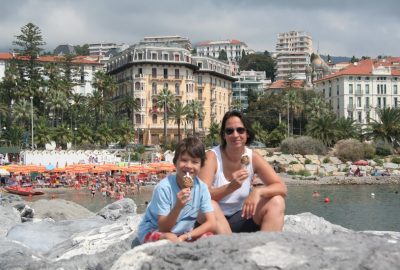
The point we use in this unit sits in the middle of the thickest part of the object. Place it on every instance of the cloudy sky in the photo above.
(338, 27)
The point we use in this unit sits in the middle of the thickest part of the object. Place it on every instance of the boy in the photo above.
(174, 208)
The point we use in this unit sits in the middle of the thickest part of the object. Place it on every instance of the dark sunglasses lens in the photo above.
(240, 130)
(229, 131)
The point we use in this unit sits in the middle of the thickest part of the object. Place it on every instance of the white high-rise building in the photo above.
(293, 50)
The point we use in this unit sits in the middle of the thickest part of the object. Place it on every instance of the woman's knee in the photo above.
(277, 202)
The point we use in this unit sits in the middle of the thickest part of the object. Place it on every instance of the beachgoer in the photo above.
(175, 205)
(228, 171)
(357, 172)
(316, 194)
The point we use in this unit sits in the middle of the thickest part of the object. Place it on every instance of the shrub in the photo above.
(383, 149)
(396, 160)
(303, 145)
(378, 161)
(349, 150)
(307, 161)
(293, 162)
(369, 150)
(304, 173)
(326, 160)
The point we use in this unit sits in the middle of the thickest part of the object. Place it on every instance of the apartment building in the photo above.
(293, 52)
(87, 66)
(249, 80)
(145, 69)
(360, 89)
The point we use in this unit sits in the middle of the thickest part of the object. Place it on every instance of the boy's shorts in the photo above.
(155, 236)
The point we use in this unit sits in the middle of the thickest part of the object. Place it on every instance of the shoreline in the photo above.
(340, 180)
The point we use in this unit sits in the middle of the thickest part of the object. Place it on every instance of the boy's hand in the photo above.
(182, 197)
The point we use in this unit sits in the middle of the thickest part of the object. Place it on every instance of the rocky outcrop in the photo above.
(104, 241)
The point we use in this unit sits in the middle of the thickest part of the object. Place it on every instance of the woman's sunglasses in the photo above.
(239, 130)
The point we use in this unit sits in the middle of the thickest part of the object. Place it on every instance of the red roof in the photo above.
(282, 84)
(50, 58)
(365, 67)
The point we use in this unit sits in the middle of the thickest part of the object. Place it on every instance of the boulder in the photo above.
(118, 209)
(9, 217)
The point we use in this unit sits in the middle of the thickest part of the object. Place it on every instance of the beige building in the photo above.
(144, 70)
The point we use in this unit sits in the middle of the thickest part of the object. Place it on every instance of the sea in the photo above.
(356, 207)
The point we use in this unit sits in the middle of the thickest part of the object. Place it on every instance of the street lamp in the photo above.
(165, 120)
(32, 120)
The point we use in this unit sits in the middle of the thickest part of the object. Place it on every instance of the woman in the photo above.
(229, 181)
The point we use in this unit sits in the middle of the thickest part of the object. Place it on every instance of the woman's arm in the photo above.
(273, 183)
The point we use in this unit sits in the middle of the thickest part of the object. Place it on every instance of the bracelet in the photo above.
(189, 237)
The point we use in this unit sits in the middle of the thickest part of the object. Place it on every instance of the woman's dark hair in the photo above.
(193, 146)
(246, 124)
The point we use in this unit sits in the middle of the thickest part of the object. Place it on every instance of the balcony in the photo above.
(350, 107)
(359, 92)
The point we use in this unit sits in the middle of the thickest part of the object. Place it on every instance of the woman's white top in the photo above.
(232, 202)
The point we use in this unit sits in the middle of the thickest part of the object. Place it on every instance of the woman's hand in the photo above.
(250, 204)
(182, 197)
(238, 178)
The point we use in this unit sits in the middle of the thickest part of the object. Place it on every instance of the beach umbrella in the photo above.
(360, 162)
(50, 167)
(4, 172)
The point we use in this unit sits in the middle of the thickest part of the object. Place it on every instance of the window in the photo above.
(200, 94)
(137, 86)
(330, 90)
(337, 90)
(176, 57)
(200, 79)
(154, 56)
(154, 88)
(367, 89)
(379, 103)
(138, 119)
(384, 102)
(395, 89)
(351, 102)
(359, 102)
(154, 72)
(140, 71)
(367, 102)
(350, 89)
(176, 73)
(154, 118)
(165, 73)
(395, 102)
(359, 117)
(367, 117)
(139, 56)
(177, 89)
(165, 57)
(166, 86)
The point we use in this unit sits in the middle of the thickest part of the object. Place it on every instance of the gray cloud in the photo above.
(341, 27)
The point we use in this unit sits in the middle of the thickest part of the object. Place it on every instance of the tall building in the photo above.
(145, 69)
(293, 50)
(248, 80)
(168, 40)
(233, 48)
(103, 48)
(360, 89)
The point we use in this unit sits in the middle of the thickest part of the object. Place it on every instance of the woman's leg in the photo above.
(270, 214)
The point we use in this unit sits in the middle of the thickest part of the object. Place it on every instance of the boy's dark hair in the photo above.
(246, 124)
(193, 146)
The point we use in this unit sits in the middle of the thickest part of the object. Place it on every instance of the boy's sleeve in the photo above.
(206, 205)
(162, 202)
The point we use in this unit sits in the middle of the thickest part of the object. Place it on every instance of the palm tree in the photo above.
(260, 132)
(195, 112)
(178, 112)
(99, 105)
(213, 134)
(323, 128)
(130, 104)
(43, 134)
(84, 135)
(104, 135)
(104, 84)
(387, 128)
(123, 133)
(22, 113)
(347, 128)
(62, 135)
(164, 100)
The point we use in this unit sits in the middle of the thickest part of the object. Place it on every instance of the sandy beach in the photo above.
(341, 180)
